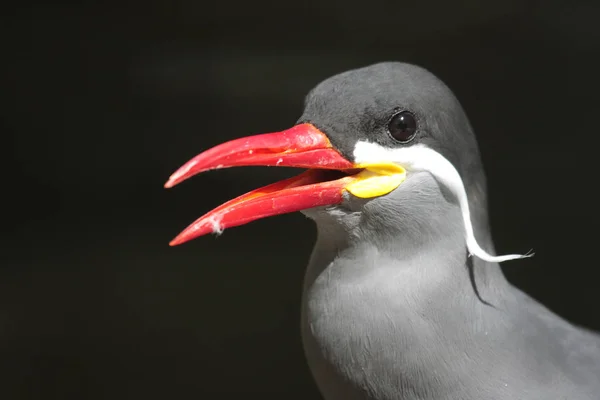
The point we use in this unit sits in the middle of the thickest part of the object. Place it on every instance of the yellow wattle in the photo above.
(376, 180)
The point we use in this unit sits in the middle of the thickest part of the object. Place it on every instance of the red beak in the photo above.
(302, 146)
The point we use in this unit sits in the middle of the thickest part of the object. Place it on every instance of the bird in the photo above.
(403, 295)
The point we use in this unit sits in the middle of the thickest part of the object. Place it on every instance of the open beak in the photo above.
(302, 146)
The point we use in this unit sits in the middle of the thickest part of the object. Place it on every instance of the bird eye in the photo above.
(403, 126)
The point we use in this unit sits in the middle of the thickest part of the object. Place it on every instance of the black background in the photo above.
(102, 102)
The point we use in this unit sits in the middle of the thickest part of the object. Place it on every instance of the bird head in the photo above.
(382, 144)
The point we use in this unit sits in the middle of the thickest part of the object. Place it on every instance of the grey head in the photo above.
(361, 108)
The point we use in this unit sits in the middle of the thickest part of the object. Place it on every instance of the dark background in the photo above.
(102, 102)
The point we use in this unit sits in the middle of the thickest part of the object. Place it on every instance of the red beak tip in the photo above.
(176, 241)
(194, 231)
(173, 180)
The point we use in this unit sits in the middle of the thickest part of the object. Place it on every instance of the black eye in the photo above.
(403, 126)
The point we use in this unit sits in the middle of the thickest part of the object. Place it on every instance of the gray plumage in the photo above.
(393, 307)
